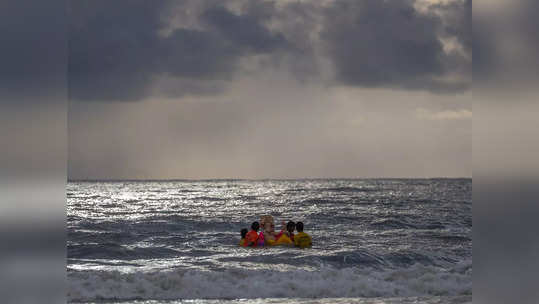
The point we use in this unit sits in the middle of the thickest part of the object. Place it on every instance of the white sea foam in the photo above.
(413, 281)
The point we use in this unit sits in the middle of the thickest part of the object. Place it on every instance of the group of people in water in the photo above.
(268, 237)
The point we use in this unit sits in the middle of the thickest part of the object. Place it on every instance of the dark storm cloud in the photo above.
(116, 51)
(244, 31)
(457, 17)
(463, 24)
(111, 47)
(387, 44)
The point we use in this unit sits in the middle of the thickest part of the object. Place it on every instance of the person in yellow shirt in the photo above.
(286, 237)
(302, 239)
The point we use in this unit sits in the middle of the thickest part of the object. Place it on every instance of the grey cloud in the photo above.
(456, 20)
(463, 24)
(116, 51)
(387, 44)
(111, 48)
(457, 17)
(244, 31)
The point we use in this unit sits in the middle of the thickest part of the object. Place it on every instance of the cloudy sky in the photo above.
(269, 89)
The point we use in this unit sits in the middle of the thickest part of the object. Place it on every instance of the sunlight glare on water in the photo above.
(170, 240)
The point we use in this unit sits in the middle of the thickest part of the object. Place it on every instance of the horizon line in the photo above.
(249, 179)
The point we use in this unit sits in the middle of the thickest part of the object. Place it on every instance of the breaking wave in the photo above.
(243, 283)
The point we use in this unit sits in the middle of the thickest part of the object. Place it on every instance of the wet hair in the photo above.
(244, 232)
(255, 226)
(299, 226)
(290, 226)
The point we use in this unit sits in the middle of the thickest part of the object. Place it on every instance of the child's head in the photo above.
(299, 226)
(255, 226)
(244, 232)
(290, 226)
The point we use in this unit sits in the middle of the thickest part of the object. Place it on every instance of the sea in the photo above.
(176, 241)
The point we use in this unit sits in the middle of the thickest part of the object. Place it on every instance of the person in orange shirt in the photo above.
(251, 238)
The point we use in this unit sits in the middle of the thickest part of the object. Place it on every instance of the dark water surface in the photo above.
(388, 239)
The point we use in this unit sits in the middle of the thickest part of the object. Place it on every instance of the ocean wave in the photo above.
(351, 189)
(110, 205)
(122, 237)
(210, 198)
(115, 251)
(417, 280)
(400, 224)
(320, 201)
